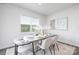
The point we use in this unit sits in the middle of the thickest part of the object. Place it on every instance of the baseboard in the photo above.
(7, 47)
(68, 44)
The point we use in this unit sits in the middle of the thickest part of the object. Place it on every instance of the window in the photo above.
(29, 24)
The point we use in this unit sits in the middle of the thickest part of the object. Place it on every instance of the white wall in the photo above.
(10, 23)
(70, 36)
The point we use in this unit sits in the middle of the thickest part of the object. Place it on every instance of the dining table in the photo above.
(30, 40)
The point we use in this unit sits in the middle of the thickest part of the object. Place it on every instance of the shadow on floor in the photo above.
(76, 51)
(3, 52)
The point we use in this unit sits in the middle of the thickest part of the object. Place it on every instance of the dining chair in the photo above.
(45, 45)
(54, 43)
(48, 44)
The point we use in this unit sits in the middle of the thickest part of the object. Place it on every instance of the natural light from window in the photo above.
(29, 24)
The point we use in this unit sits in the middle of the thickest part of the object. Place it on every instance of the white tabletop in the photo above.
(27, 40)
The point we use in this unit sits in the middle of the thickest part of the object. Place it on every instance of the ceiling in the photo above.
(46, 8)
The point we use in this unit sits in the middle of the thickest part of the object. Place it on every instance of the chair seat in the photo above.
(41, 47)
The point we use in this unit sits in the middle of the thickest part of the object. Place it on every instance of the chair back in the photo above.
(49, 41)
(54, 39)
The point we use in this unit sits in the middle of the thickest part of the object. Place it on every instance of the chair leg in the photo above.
(44, 51)
(54, 49)
(38, 49)
(50, 50)
(57, 46)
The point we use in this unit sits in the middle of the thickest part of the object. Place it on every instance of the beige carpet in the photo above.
(65, 49)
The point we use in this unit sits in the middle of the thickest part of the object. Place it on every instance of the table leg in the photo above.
(33, 48)
(16, 49)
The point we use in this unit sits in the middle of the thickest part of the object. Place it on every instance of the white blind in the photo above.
(29, 20)
(35, 21)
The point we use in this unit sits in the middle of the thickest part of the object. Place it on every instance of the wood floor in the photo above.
(64, 49)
